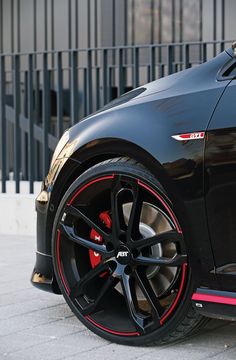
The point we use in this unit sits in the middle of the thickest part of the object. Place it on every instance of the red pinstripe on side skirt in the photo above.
(214, 299)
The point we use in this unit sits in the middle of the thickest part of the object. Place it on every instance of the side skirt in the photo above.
(215, 303)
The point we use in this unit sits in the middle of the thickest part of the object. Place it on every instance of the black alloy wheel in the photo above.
(120, 257)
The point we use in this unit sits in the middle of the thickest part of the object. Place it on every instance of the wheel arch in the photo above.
(100, 150)
(95, 152)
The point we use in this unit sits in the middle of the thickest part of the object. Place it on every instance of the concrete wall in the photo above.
(17, 214)
(17, 211)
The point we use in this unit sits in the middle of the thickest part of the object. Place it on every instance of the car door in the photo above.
(220, 184)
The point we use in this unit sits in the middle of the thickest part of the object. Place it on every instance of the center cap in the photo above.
(123, 255)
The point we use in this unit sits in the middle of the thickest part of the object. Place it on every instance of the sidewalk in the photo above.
(37, 325)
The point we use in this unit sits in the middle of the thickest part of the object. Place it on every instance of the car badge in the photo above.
(189, 136)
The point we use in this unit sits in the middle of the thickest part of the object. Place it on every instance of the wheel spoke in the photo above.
(118, 223)
(80, 287)
(171, 236)
(148, 292)
(71, 210)
(68, 231)
(177, 260)
(92, 306)
(139, 320)
(135, 214)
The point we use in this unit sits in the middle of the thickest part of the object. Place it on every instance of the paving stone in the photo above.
(38, 325)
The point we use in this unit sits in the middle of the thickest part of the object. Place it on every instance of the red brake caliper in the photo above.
(95, 258)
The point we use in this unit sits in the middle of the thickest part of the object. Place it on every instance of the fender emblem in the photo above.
(189, 136)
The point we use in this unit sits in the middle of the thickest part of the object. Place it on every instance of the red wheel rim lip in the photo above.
(171, 309)
(88, 184)
(163, 203)
(135, 333)
(59, 263)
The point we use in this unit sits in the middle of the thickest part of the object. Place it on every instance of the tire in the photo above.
(119, 256)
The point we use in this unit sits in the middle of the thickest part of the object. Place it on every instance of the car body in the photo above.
(182, 128)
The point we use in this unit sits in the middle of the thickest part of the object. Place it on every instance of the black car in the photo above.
(136, 222)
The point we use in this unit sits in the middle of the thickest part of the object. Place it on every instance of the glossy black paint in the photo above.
(196, 174)
(220, 163)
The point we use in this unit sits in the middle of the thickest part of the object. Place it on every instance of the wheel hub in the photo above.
(123, 255)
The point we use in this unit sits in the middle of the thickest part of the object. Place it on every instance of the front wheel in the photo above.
(120, 258)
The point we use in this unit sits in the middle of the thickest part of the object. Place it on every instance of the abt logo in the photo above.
(122, 254)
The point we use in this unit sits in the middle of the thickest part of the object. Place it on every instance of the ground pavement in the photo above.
(38, 325)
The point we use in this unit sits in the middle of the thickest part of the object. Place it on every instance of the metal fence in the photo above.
(43, 93)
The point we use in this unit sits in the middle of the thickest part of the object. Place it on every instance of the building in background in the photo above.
(37, 25)
(63, 59)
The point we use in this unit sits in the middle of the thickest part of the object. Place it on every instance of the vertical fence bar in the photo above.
(24, 134)
(121, 84)
(186, 56)
(170, 59)
(25, 91)
(30, 114)
(200, 26)
(110, 73)
(59, 96)
(204, 52)
(152, 63)
(45, 25)
(74, 88)
(16, 96)
(89, 82)
(162, 70)
(104, 75)
(70, 24)
(46, 114)
(214, 25)
(1, 26)
(148, 73)
(3, 137)
(37, 95)
(222, 23)
(97, 88)
(109, 84)
(136, 67)
(85, 91)
(38, 158)
(76, 24)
